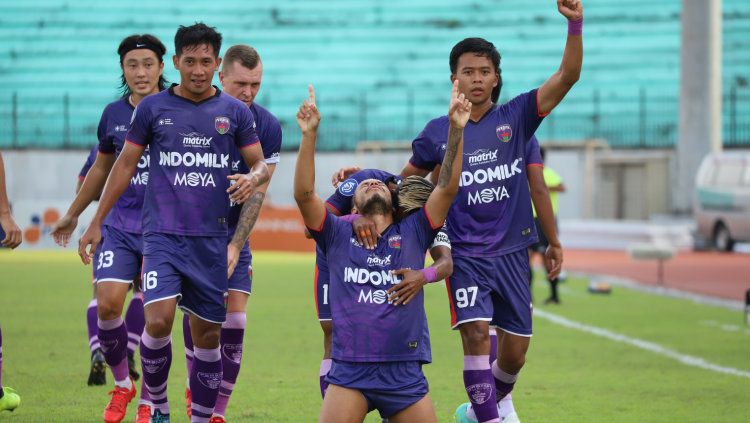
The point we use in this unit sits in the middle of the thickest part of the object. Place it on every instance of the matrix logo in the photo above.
(378, 262)
(196, 140)
(482, 156)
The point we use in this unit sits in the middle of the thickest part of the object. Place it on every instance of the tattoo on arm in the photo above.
(454, 136)
(248, 217)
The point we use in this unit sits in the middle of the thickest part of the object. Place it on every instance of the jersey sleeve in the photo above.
(270, 141)
(441, 240)
(533, 154)
(423, 154)
(422, 226)
(106, 144)
(525, 110)
(140, 131)
(246, 134)
(89, 162)
(326, 234)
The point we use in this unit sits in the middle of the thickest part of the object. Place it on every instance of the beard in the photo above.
(375, 205)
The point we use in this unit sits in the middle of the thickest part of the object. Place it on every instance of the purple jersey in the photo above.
(268, 129)
(366, 327)
(491, 215)
(89, 162)
(533, 152)
(114, 124)
(190, 149)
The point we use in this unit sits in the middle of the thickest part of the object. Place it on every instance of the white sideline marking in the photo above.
(639, 343)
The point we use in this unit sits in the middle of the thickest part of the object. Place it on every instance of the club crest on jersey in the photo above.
(221, 124)
(394, 241)
(348, 187)
(504, 132)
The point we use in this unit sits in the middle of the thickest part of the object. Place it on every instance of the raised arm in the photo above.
(118, 180)
(311, 206)
(450, 171)
(90, 190)
(552, 92)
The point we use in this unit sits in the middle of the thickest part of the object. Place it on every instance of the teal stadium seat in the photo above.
(380, 68)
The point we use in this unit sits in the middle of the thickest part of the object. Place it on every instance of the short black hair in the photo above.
(139, 41)
(195, 35)
(480, 47)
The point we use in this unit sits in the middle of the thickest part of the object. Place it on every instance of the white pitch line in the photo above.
(639, 343)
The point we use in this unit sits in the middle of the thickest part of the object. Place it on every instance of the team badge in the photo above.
(504, 132)
(221, 124)
(394, 241)
(348, 187)
(479, 393)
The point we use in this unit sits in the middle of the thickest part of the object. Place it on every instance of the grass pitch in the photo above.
(570, 375)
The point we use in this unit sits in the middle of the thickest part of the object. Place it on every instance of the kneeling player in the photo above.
(378, 346)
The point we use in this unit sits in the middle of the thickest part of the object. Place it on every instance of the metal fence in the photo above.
(638, 119)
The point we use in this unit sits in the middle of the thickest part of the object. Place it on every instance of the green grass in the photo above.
(570, 375)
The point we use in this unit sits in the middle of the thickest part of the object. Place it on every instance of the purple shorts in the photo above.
(192, 269)
(388, 387)
(242, 278)
(119, 257)
(492, 289)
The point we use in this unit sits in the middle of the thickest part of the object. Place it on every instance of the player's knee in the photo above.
(208, 339)
(514, 362)
(107, 309)
(475, 334)
(159, 327)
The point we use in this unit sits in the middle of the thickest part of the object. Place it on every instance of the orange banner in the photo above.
(280, 229)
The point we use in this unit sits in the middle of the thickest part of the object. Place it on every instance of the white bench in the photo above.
(656, 251)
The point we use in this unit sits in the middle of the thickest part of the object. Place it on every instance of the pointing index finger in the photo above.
(311, 91)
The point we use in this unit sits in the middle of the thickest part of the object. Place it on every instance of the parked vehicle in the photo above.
(721, 205)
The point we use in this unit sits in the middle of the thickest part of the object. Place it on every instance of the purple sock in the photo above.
(113, 338)
(325, 366)
(204, 383)
(145, 399)
(480, 387)
(134, 322)
(493, 345)
(504, 382)
(232, 335)
(91, 322)
(188, 342)
(156, 359)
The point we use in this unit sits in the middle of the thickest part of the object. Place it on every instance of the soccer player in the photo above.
(133, 317)
(98, 370)
(10, 237)
(490, 224)
(191, 130)
(410, 195)
(241, 76)
(120, 255)
(378, 347)
(545, 184)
